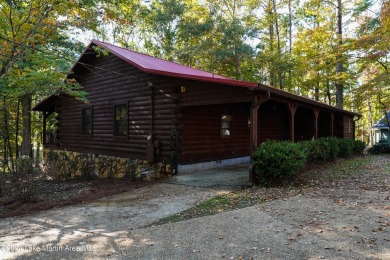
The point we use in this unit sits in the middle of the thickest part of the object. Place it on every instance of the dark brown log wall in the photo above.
(339, 126)
(304, 124)
(201, 138)
(324, 124)
(119, 83)
(348, 127)
(273, 122)
(203, 93)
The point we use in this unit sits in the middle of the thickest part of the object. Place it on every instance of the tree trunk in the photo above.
(17, 130)
(317, 88)
(37, 154)
(271, 42)
(289, 41)
(370, 135)
(26, 148)
(339, 64)
(289, 26)
(328, 92)
(8, 155)
(238, 66)
(280, 73)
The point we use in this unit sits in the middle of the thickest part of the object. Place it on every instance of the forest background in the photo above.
(333, 51)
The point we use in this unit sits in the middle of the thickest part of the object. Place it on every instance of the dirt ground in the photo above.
(339, 213)
(48, 194)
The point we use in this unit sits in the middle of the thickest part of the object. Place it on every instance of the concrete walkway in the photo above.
(234, 176)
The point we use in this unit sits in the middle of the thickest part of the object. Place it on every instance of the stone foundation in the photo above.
(68, 165)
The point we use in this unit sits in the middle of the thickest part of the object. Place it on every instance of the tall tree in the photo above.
(339, 63)
(373, 59)
(32, 63)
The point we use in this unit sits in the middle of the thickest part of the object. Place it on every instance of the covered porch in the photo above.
(276, 117)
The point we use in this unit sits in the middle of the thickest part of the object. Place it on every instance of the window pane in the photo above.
(86, 121)
(226, 120)
(120, 123)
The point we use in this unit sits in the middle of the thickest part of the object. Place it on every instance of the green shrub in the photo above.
(359, 147)
(333, 144)
(318, 150)
(346, 147)
(274, 161)
(331, 148)
(380, 148)
(23, 178)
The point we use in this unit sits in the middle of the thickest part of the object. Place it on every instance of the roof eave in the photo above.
(47, 102)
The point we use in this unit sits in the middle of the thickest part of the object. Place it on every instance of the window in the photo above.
(226, 122)
(120, 120)
(86, 121)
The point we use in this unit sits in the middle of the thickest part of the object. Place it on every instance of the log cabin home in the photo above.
(146, 108)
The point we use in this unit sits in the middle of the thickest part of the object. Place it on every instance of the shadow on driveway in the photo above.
(229, 176)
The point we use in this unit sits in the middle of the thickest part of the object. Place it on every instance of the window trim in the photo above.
(83, 133)
(115, 130)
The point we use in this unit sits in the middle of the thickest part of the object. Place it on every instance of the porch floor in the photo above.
(228, 176)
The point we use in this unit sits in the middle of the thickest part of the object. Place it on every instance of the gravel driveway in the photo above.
(344, 222)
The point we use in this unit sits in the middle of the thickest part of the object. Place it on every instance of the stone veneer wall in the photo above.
(67, 165)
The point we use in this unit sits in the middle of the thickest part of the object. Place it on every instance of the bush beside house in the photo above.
(278, 160)
(275, 160)
(382, 147)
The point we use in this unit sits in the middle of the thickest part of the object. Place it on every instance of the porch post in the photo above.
(254, 126)
(332, 125)
(316, 114)
(256, 103)
(292, 108)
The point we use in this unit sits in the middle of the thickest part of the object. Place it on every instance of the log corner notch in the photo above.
(256, 103)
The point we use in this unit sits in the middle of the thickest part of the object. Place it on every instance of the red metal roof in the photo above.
(152, 64)
(158, 66)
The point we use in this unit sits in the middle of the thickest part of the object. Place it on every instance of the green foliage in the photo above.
(23, 178)
(380, 148)
(24, 165)
(331, 148)
(35, 57)
(346, 147)
(275, 161)
(334, 148)
(319, 150)
(359, 147)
